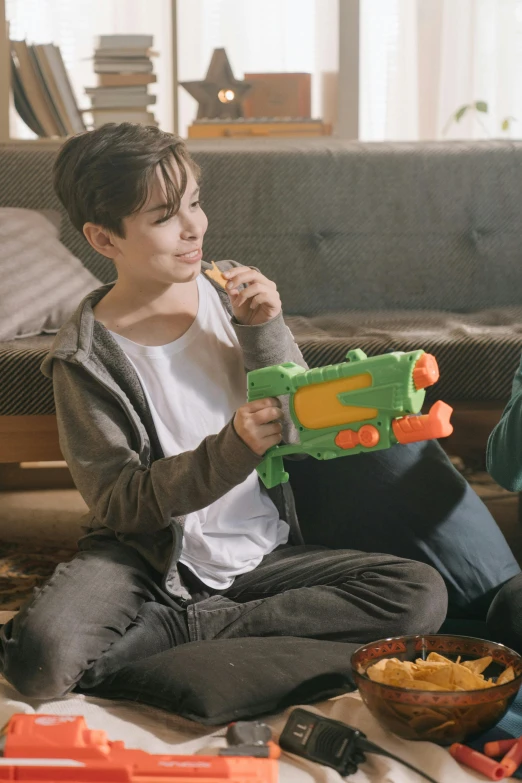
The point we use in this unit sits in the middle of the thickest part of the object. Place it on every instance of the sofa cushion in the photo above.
(24, 391)
(340, 224)
(42, 281)
(478, 353)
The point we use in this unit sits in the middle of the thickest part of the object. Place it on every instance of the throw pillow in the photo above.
(42, 281)
(222, 680)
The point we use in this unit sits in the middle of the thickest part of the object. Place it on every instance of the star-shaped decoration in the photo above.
(219, 95)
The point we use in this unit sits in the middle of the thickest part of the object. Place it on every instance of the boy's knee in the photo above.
(504, 620)
(37, 661)
(428, 598)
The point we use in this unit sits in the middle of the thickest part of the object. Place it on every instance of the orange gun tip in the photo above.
(434, 424)
(426, 371)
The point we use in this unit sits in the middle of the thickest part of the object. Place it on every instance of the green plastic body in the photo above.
(392, 393)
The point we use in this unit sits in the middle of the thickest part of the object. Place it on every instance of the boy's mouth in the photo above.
(192, 257)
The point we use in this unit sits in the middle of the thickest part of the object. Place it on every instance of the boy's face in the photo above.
(158, 250)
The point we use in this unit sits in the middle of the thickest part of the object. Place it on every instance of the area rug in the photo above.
(24, 566)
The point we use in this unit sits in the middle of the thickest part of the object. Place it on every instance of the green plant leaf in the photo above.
(461, 112)
(481, 106)
(506, 122)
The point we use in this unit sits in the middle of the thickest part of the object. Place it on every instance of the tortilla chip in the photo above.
(423, 685)
(506, 676)
(437, 673)
(431, 664)
(433, 656)
(425, 722)
(479, 665)
(466, 679)
(216, 275)
(442, 675)
(442, 727)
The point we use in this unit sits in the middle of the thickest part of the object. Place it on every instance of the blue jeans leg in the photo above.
(407, 501)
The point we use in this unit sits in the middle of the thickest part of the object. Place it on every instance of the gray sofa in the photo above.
(377, 246)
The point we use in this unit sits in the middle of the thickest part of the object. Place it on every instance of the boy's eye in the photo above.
(166, 219)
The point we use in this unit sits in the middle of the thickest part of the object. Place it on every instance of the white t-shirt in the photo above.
(193, 386)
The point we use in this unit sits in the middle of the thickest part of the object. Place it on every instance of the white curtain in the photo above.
(421, 60)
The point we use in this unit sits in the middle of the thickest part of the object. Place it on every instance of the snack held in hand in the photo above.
(216, 275)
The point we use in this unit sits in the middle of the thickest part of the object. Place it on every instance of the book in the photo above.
(116, 99)
(278, 95)
(46, 92)
(126, 53)
(125, 79)
(122, 66)
(55, 99)
(33, 88)
(61, 77)
(126, 89)
(101, 116)
(124, 41)
(21, 102)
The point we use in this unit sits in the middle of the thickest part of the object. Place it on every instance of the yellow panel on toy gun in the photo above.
(319, 406)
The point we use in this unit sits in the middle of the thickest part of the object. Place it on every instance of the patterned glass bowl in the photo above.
(442, 717)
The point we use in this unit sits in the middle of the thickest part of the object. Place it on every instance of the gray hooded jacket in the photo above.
(107, 435)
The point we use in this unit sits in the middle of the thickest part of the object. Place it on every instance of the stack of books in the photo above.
(124, 67)
(43, 95)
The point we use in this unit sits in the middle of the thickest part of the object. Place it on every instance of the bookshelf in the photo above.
(5, 73)
(347, 125)
(5, 82)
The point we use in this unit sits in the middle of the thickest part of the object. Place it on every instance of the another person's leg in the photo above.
(94, 615)
(319, 593)
(504, 620)
(407, 501)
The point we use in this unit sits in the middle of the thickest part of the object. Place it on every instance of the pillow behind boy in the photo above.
(41, 281)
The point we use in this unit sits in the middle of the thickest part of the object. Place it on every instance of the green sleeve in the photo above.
(504, 449)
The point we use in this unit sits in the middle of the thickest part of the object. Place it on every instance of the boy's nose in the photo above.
(191, 229)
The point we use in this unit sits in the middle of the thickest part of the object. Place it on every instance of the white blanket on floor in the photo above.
(157, 731)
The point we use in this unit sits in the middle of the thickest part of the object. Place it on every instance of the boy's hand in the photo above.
(258, 302)
(259, 424)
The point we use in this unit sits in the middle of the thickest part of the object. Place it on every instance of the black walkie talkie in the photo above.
(331, 743)
(323, 740)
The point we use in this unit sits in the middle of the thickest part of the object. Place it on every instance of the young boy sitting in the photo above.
(183, 543)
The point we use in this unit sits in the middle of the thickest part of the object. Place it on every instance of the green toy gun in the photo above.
(363, 404)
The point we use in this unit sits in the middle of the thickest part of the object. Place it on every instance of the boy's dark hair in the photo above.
(105, 175)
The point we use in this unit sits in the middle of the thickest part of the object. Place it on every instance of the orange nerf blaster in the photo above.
(61, 749)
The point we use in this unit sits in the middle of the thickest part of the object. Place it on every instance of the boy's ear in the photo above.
(100, 239)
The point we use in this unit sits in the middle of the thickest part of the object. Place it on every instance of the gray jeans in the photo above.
(106, 609)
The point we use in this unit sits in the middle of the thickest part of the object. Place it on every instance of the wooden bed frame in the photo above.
(35, 439)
